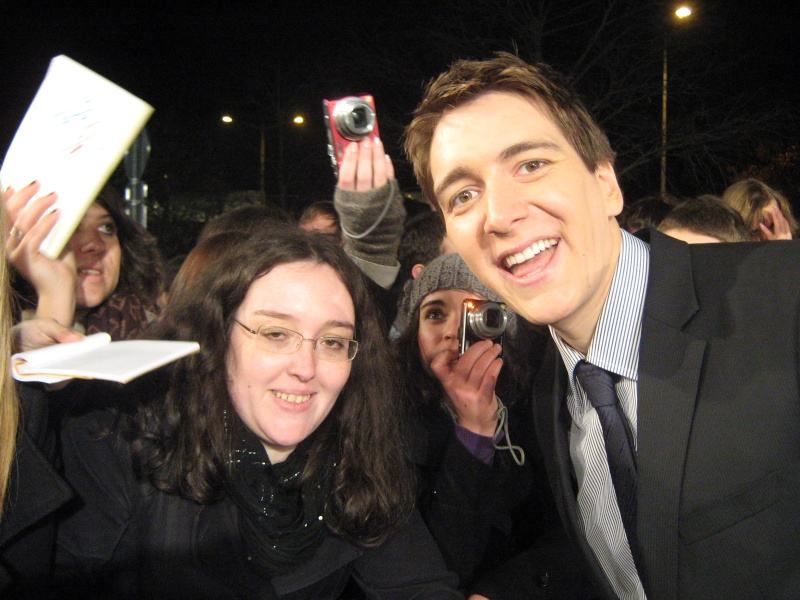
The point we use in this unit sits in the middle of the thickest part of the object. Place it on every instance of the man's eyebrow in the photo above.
(455, 175)
(512, 151)
(462, 172)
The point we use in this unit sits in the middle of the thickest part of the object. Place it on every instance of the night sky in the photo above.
(195, 64)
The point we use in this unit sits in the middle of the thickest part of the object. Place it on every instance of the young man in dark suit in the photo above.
(668, 402)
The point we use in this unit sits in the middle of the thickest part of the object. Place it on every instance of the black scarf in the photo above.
(281, 521)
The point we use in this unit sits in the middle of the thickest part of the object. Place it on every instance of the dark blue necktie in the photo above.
(599, 387)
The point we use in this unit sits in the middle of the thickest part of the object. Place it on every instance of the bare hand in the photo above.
(469, 381)
(28, 224)
(774, 225)
(365, 166)
(41, 332)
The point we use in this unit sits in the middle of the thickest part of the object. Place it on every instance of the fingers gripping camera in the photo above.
(481, 320)
(348, 120)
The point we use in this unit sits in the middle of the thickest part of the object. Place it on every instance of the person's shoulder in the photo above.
(750, 260)
(759, 259)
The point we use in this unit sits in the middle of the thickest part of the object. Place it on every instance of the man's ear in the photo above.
(416, 270)
(612, 193)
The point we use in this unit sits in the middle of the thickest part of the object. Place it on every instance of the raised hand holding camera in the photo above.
(469, 381)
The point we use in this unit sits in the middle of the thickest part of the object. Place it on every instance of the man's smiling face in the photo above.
(525, 213)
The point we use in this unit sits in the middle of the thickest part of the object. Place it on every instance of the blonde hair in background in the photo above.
(750, 197)
(9, 406)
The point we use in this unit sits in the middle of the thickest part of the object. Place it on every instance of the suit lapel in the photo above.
(670, 363)
(552, 422)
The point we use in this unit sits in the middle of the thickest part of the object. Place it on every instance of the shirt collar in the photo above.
(615, 344)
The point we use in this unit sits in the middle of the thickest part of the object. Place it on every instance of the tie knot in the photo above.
(597, 383)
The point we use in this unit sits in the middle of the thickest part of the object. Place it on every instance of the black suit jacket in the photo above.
(718, 424)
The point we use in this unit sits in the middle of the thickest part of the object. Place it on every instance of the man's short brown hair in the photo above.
(707, 215)
(465, 80)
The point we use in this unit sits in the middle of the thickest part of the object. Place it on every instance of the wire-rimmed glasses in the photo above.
(280, 340)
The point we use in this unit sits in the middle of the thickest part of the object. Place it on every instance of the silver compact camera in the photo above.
(481, 320)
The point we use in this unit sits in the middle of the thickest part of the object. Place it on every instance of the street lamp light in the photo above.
(682, 13)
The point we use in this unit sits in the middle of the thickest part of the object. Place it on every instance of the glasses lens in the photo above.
(278, 339)
(286, 341)
(336, 348)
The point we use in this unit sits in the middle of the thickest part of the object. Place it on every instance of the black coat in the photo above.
(130, 540)
(496, 525)
(36, 492)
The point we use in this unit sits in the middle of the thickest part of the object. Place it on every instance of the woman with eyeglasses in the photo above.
(268, 465)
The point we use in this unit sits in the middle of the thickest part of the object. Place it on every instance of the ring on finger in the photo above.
(15, 233)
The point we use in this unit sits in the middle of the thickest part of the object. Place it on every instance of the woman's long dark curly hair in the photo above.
(141, 267)
(183, 444)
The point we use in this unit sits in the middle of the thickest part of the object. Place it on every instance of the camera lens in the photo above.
(493, 319)
(488, 321)
(359, 117)
(354, 118)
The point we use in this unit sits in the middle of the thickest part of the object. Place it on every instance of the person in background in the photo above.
(667, 402)
(704, 220)
(766, 212)
(321, 217)
(424, 238)
(244, 220)
(482, 488)
(107, 279)
(646, 212)
(271, 463)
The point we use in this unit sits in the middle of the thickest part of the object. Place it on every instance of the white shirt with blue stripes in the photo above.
(615, 348)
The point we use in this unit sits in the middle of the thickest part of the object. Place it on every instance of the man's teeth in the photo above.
(293, 398)
(90, 272)
(530, 252)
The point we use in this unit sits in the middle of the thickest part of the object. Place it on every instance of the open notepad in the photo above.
(97, 357)
(73, 136)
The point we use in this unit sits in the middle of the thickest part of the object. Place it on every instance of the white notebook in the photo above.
(73, 136)
(97, 357)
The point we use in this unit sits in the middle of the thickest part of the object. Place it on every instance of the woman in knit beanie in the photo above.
(482, 489)
(434, 313)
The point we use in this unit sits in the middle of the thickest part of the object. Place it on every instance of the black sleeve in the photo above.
(92, 544)
(407, 565)
(36, 492)
(459, 497)
(551, 568)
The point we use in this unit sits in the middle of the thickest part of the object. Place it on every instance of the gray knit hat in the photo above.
(447, 272)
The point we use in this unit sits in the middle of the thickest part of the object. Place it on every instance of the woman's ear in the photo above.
(416, 270)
